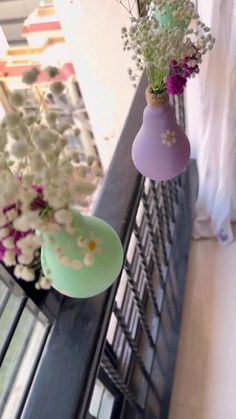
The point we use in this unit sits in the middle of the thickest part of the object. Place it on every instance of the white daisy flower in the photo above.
(168, 138)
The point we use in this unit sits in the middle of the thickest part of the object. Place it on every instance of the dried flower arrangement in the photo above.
(41, 179)
(168, 40)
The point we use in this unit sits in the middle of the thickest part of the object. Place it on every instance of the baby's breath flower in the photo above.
(4, 232)
(29, 243)
(164, 35)
(17, 99)
(40, 177)
(57, 88)
(26, 258)
(11, 214)
(9, 258)
(51, 117)
(30, 76)
(90, 159)
(8, 242)
(19, 149)
(43, 283)
(12, 119)
(22, 272)
(29, 219)
(51, 71)
(63, 216)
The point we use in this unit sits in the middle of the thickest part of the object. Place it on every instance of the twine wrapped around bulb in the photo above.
(157, 101)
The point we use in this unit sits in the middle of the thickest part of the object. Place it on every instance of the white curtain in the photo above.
(213, 124)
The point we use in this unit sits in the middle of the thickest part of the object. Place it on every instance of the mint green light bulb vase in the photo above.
(86, 281)
(167, 20)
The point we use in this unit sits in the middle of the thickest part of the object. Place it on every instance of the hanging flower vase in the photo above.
(160, 150)
(86, 261)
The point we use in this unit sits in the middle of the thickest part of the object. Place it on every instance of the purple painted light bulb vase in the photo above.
(161, 149)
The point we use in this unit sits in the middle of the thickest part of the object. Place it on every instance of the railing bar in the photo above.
(32, 374)
(11, 330)
(146, 272)
(145, 235)
(18, 361)
(165, 211)
(135, 351)
(119, 382)
(176, 191)
(160, 230)
(153, 240)
(139, 304)
(4, 301)
(127, 308)
(171, 200)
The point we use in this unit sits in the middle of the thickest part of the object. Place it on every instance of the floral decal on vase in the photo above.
(90, 247)
(168, 138)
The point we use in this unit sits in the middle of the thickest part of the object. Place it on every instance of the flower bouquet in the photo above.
(43, 181)
(168, 40)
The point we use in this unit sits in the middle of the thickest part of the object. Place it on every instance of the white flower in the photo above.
(28, 220)
(168, 138)
(44, 283)
(25, 258)
(11, 214)
(17, 98)
(9, 258)
(64, 216)
(37, 163)
(57, 87)
(9, 191)
(8, 242)
(4, 232)
(44, 145)
(48, 227)
(19, 149)
(3, 219)
(22, 272)
(30, 76)
(29, 243)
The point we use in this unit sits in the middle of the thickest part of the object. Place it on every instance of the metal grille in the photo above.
(23, 332)
(136, 319)
(147, 288)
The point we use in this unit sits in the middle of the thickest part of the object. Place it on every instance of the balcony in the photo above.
(114, 355)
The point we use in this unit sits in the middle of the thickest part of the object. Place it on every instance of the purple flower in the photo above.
(37, 188)
(175, 84)
(2, 251)
(181, 71)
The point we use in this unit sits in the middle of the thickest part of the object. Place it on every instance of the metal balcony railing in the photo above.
(113, 356)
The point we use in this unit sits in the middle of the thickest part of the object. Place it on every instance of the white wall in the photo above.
(92, 29)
